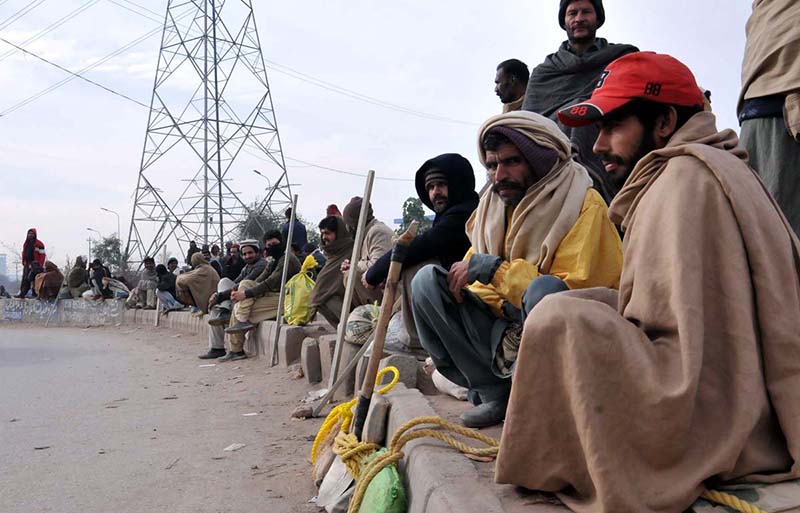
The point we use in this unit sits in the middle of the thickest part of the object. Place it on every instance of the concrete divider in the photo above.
(438, 478)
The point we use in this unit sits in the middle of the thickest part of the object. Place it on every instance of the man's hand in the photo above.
(238, 295)
(457, 280)
(212, 300)
(345, 265)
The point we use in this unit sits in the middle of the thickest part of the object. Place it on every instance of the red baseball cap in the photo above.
(647, 75)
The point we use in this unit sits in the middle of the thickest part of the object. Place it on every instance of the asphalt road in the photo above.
(125, 420)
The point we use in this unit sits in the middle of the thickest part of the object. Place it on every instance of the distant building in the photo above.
(3, 264)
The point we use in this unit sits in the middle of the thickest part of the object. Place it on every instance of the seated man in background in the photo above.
(144, 294)
(78, 278)
(48, 283)
(446, 185)
(540, 229)
(688, 377)
(98, 281)
(327, 298)
(172, 265)
(221, 302)
(194, 288)
(165, 289)
(257, 300)
(233, 264)
(254, 264)
(377, 241)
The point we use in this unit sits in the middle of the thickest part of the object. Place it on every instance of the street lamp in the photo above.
(90, 240)
(119, 233)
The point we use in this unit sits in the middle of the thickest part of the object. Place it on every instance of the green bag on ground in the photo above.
(385, 493)
(298, 289)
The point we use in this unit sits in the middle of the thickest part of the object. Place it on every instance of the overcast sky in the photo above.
(78, 148)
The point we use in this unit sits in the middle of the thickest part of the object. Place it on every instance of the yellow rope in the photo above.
(731, 501)
(353, 452)
(344, 412)
(401, 437)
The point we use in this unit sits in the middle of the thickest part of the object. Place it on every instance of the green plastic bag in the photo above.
(298, 289)
(385, 493)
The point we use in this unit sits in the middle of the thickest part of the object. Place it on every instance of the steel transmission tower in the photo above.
(211, 115)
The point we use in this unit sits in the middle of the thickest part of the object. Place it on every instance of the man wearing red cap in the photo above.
(688, 376)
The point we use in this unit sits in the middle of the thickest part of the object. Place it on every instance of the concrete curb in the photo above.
(438, 478)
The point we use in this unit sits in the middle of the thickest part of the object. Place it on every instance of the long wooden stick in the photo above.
(342, 378)
(389, 294)
(351, 278)
(284, 275)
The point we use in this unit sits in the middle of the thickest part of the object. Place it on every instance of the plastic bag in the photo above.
(298, 289)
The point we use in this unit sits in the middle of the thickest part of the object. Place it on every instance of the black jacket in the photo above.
(166, 283)
(446, 240)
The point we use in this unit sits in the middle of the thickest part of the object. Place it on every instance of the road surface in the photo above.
(113, 420)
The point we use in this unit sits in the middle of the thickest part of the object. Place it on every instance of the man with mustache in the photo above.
(539, 229)
(446, 185)
(688, 376)
(570, 75)
(220, 302)
(257, 300)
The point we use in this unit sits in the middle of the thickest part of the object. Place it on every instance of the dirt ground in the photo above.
(126, 420)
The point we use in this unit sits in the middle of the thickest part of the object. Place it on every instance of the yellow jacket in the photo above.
(590, 255)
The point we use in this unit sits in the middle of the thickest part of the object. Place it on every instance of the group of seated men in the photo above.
(630, 373)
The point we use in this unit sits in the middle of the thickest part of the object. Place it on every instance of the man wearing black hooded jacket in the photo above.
(446, 185)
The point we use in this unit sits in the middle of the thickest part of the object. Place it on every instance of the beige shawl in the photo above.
(549, 209)
(772, 53)
(201, 282)
(691, 375)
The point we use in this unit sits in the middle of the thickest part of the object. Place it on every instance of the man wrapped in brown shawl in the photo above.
(196, 286)
(638, 401)
(48, 283)
(327, 296)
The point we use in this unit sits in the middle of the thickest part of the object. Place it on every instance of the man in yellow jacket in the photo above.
(540, 229)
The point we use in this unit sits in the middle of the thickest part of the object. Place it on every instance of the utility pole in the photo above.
(197, 136)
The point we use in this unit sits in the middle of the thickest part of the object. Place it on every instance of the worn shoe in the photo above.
(212, 353)
(485, 415)
(219, 317)
(240, 327)
(232, 357)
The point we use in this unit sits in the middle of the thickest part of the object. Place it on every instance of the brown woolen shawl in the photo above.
(201, 282)
(692, 373)
(329, 281)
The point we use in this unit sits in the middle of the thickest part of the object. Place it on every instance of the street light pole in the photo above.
(90, 240)
(119, 232)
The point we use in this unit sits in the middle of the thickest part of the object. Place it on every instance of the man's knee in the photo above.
(428, 282)
(539, 288)
(247, 284)
(225, 284)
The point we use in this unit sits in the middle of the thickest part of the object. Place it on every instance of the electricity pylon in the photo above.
(211, 113)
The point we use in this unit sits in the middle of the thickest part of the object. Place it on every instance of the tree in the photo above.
(414, 211)
(109, 251)
(256, 225)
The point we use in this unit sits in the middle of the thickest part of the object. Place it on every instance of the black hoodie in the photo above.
(447, 239)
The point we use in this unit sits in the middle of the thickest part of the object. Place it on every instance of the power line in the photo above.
(351, 173)
(359, 96)
(76, 75)
(33, 4)
(97, 63)
(52, 26)
(318, 82)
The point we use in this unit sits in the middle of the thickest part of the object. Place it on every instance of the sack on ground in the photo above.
(298, 289)
(361, 323)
